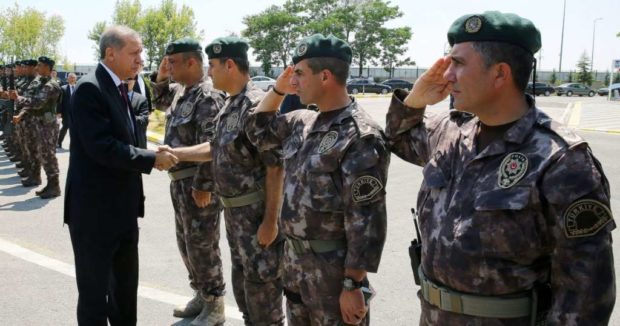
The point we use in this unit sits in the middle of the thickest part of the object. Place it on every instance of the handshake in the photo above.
(165, 158)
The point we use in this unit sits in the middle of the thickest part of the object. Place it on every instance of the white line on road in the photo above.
(69, 270)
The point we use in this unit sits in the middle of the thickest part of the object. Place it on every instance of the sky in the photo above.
(428, 19)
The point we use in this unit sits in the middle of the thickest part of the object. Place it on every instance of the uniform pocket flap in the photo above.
(514, 198)
(434, 177)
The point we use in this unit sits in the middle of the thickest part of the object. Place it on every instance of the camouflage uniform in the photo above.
(41, 107)
(189, 122)
(238, 170)
(26, 132)
(334, 189)
(529, 209)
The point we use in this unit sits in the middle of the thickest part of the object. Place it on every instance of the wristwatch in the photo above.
(350, 284)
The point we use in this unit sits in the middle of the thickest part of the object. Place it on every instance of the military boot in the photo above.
(23, 173)
(31, 181)
(19, 165)
(52, 189)
(39, 192)
(191, 309)
(212, 313)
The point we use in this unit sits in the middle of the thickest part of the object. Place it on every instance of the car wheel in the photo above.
(591, 94)
(569, 93)
(354, 91)
(547, 93)
(384, 91)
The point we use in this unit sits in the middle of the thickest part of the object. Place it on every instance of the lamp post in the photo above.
(562, 40)
(593, 35)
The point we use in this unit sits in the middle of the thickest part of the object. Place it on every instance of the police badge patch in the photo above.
(512, 169)
(232, 121)
(328, 141)
(473, 24)
(186, 110)
(585, 218)
(365, 188)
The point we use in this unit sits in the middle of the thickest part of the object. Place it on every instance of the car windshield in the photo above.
(565, 85)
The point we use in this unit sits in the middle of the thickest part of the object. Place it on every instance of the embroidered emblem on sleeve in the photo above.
(365, 188)
(585, 218)
(232, 121)
(512, 169)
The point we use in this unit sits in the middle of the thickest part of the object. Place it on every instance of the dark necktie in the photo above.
(123, 88)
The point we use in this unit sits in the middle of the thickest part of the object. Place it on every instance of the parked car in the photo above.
(365, 86)
(263, 82)
(398, 83)
(604, 91)
(571, 89)
(541, 88)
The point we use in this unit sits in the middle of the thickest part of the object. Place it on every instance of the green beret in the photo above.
(318, 45)
(30, 62)
(47, 61)
(228, 47)
(185, 44)
(495, 26)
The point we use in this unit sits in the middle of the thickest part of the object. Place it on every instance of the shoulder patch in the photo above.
(585, 218)
(365, 188)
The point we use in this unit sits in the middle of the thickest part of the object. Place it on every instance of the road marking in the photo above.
(575, 116)
(69, 270)
(566, 113)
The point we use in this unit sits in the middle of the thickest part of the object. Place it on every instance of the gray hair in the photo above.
(72, 75)
(114, 37)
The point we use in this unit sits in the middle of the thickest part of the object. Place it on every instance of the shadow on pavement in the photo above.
(183, 322)
(16, 190)
(29, 204)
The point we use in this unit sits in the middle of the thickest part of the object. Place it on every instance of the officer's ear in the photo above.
(503, 75)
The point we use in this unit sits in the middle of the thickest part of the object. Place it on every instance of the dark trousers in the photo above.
(106, 268)
(63, 131)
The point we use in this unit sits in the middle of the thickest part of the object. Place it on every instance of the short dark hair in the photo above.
(242, 64)
(519, 60)
(192, 54)
(339, 68)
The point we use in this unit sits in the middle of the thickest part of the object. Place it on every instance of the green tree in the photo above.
(393, 46)
(157, 26)
(553, 78)
(584, 74)
(570, 77)
(272, 34)
(29, 33)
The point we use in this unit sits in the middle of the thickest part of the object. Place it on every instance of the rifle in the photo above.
(415, 250)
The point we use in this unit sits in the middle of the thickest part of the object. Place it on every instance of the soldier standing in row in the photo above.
(25, 130)
(336, 162)
(41, 108)
(249, 185)
(514, 208)
(192, 104)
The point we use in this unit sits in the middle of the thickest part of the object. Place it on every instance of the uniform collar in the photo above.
(336, 120)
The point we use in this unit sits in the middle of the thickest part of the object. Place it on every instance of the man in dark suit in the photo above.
(141, 109)
(144, 87)
(104, 194)
(63, 108)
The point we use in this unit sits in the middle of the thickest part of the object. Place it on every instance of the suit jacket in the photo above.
(104, 184)
(140, 107)
(65, 104)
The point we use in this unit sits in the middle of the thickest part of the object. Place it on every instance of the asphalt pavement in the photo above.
(36, 260)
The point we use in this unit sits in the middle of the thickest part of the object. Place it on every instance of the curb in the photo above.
(154, 137)
(607, 131)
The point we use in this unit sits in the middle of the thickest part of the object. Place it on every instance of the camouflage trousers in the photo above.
(19, 139)
(198, 238)
(28, 137)
(256, 271)
(313, 283)
(42, 145)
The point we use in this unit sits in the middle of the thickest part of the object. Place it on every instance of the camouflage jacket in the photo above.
(27, 87)
(532, 207)
(335, 175)
(189, 121)
(41, 97)
(238, 166)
